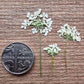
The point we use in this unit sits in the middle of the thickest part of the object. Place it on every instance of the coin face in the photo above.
(17, 58)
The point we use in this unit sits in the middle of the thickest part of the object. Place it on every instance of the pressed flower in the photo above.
(52, 51)
(69, 33)
(24, 25)
(34, 31)
(40, 23)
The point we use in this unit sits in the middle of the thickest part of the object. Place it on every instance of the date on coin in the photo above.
(17, 58)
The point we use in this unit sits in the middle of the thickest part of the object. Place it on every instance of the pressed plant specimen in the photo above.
(40, 23)
(52, 51)
(69, 33)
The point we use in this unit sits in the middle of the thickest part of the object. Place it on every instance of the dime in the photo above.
(17, 58)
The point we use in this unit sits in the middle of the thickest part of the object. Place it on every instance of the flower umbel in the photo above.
(69, 33)
(52, 51)
(40, 23)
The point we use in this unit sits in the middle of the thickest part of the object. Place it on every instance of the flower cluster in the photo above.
(39, 22)
(52, 49)
(69, 33)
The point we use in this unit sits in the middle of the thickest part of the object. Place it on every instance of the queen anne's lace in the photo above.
(69, 33)
(39, 22)
(52, 49)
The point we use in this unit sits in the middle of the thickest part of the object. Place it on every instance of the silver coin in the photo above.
(17, 58)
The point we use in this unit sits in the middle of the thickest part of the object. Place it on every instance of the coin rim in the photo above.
(22, 71)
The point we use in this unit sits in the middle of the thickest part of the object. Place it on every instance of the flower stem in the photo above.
(65, 55)
(40, 52)
(52, 65)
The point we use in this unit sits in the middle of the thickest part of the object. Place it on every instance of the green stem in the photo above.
(40, 52)
(65, 55)
(52, 65)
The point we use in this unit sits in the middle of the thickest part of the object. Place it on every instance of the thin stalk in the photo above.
(65, 55)
(40, 52)
(52, 66)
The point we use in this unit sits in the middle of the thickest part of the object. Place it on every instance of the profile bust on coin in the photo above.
(17, 58)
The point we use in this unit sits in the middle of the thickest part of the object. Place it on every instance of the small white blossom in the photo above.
(37, 12)
(34, 31)
(29, 23)
(24, 25)
(31, 17)
(45, 15)
(41, 15)
(69, 33)
(48, 20)
(28, 14)
(52, 49)
(46, 48)
(78, 38)
(66, 26)
(49, 29)
(45, 31)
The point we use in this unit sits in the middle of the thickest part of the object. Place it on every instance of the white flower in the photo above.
(45, 15)
(40, 10)
(69, 33)
(48, 20)
(55, 50)
(58, 49)
(59, 31)
(29, 23)
(37, 12)
(40, 15)
(28, 14)
(66, 26)
(39, 21)
(49, 29)
(31, 17)
(24, 25)
(74, 28)
(45, 31)
(78, 38)
(46, 48)
(34, 31)
(52, 49)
